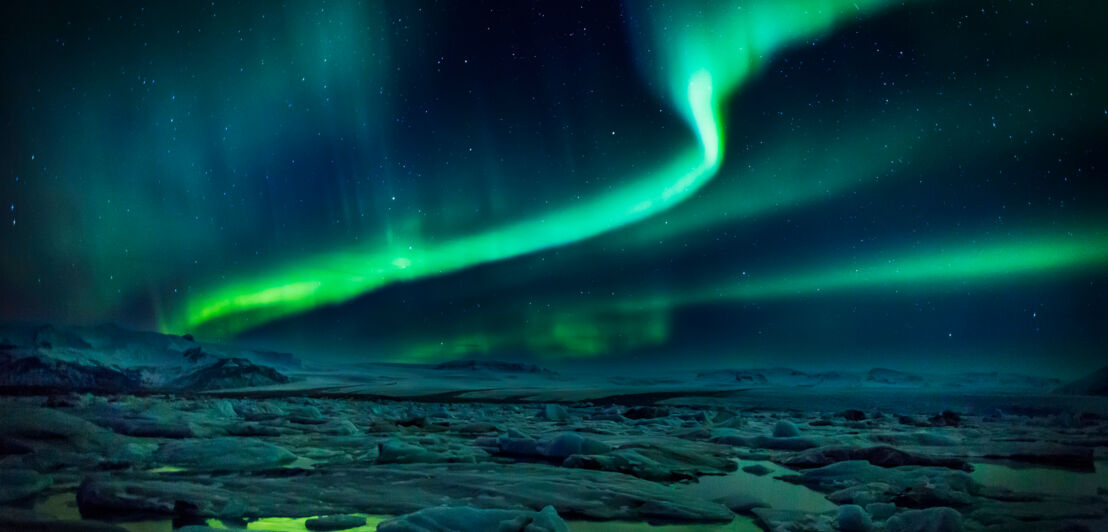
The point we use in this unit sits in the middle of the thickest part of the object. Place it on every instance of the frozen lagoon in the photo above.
(665, 461)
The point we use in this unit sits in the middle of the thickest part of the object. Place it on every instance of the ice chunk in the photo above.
(469, 519)
(852, 518)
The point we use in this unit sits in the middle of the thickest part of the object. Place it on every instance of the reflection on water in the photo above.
(63, 506)
(778, 494)
(290, 524)
(1047, 480)
(167, 469)
(901, 401)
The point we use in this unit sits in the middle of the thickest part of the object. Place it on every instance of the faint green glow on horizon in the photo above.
(580, 332)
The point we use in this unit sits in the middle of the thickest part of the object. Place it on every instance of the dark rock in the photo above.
(881, 510)
(49, 337)
(469, 519)
(928, 496)
(911, 421)
(334, 522)
(420, 422)
(853, 415)
(768, 442)
(741, 503)
(859, 482)
(627, 462)
(146, 427)
(1068, 456)
(475, 428)
(300, 420)
(63, 401)
(194, 354)
(253, 429)
(554, 412)
(1095, 383)
(947, 419)
(9, 446)
(785, 429)
(929, 520)
(492, 365)
(36, 371)
(646, 412)
(882, 456)
(569, 443)
(393, 451)
(792, 520)
(893, 377)
(229, 373)
(852, 518)
(17, 484)
(558, 447)
(658, 460)
(401, 489)
(757, 469)
(223, 454)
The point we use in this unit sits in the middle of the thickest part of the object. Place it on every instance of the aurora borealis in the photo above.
(816, 182)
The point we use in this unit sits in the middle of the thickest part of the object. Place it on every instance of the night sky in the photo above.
(811, 183)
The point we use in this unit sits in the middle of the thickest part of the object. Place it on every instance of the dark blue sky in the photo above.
(917, 186)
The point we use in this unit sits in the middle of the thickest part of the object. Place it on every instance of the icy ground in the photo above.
(105, 429)
(727, 460)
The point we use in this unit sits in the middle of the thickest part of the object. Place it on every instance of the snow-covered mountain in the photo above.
(110, 358)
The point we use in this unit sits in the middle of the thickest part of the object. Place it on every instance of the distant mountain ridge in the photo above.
(110, 358)
(879, 378)
(1095, 383)
(491, 365)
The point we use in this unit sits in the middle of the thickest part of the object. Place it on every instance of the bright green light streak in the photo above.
(942, 268)
(998, 262)
(337, 277)
(711, 58)
(297, 524)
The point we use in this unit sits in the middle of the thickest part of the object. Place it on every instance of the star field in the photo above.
(813, 182)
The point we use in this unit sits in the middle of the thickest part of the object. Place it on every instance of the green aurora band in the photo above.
(707, 55)
(584, 330)
(910, 270)
(334, 278)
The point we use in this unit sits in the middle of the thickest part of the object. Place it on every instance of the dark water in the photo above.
(903, 401)
(1043, 480)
